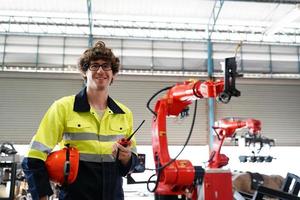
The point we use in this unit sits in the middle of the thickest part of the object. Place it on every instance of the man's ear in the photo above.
(85, 66)
(83, 74)
(112, 80)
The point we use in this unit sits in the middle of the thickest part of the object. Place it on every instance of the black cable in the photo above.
(159, 169)
(149, 101)
(211, 156)
(216, 133)
(156, 182)
(187, 140)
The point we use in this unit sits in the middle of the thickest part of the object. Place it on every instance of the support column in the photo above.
(298, 53)
(4, 51)
(37, 53)
(210, 66)
(89, 7)
(64, 53)
(211, 101)
(270, 60)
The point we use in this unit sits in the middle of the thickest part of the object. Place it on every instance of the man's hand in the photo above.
(44, 198)
(124, 153)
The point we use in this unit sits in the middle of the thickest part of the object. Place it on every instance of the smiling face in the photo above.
(97, 78)
(98, 54)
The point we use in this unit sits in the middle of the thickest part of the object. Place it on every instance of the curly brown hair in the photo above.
(98, 51)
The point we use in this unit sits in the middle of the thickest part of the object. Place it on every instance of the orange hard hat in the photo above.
(62, 165)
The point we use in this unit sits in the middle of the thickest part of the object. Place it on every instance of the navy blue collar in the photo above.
(81, 103)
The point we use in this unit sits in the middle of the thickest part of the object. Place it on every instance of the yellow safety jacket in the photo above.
(71, 120)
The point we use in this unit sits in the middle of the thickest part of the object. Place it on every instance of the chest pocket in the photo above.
(119, 129)
(76, 126)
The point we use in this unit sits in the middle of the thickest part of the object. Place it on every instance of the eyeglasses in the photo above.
(96, 66)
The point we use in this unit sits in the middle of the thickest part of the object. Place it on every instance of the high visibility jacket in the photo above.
(71, 120)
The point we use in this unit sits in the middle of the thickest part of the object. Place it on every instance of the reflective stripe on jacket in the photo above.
(71, 120)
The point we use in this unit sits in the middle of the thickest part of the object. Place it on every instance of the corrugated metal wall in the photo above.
(25, 98)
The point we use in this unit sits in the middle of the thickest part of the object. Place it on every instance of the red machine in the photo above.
(180, 177)
(216, 180)
(226, 128)
(177, 176)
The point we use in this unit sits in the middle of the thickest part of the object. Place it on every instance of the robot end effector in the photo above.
(229, 81)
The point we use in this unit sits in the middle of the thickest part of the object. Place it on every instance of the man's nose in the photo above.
(100, 69)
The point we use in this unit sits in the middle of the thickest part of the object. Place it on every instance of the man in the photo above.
(92, 122)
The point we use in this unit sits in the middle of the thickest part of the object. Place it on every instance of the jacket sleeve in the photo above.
(124, 170)
(37, 177)
(49, 133)
(47, 136)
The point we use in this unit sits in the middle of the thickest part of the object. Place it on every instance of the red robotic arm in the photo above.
(226, 128)
(175, 177)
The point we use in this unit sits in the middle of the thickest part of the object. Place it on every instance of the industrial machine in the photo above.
(256, 143)
(8, 169)
(226, 128)
(179, 177)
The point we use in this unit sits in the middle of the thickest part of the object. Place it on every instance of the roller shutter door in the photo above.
(24, 101)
